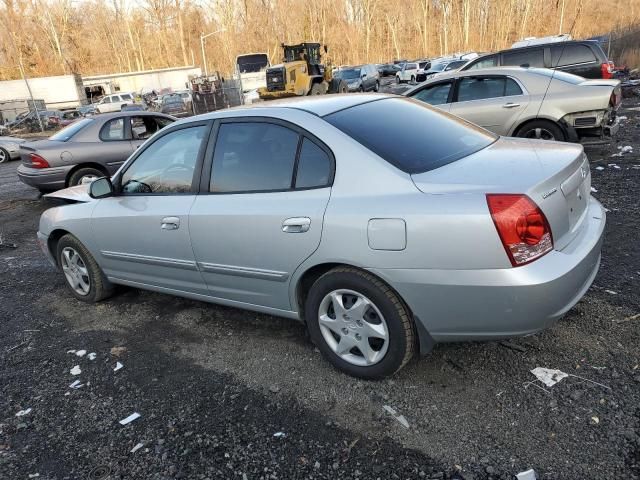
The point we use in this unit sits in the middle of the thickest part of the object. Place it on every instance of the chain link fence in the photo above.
(215, 93)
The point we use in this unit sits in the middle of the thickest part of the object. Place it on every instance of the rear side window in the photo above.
(409, 134)
(478, 88)
(113, 130)
(524, 58)
(314, 166)
(253, 157)
(563, 55)
(68, 132)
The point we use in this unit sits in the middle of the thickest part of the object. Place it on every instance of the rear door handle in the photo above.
(296, 225)
(170, 223)
(510, 105)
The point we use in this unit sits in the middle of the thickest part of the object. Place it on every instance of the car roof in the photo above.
(130, 113)
(319, 105)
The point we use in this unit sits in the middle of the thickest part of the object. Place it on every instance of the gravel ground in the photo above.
(214, 385)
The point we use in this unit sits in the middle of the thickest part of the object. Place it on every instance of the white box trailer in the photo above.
(177, 78)
(59, 92)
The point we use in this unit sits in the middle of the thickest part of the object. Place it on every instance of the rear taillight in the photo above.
(607, 69)
(522, 227)
(37, 161)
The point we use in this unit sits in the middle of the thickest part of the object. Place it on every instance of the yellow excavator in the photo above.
(301, 73)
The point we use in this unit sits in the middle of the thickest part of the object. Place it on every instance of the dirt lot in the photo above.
(213, 385)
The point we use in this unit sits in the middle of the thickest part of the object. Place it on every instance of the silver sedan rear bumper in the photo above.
(53, 178)
(455, 305)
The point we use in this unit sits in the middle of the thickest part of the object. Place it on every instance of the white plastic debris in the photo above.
(527, 475)
(621, 117)
(394, 414)
(549, 376)
(279, 434)
(34, 475)
(91, 356)
(22, 413)
(71, 351)
(75, 370)
(76, 384)
(594, 190)
(81, 353)
(626, 149)
(599, 168)
(130, 418)
(137, 447)
(118, 366)
(611, 292)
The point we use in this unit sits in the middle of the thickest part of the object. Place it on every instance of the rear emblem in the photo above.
(549, 193)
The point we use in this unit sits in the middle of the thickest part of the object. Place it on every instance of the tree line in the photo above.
(54, 37)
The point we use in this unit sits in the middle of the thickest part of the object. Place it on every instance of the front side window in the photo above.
(112, 130)
(144, 126)
(167, 165)
(253, 156)
(524, 58)
(480, 88)
(435, 94)
(106, 100)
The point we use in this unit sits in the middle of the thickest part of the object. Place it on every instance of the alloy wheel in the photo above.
(353, 327)
(540, 134)
(75, 271)
(4, 156)
(87, 179)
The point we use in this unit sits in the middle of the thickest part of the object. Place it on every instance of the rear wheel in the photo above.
(359, 324)
(316, 89)
(84, 175)
(377, 87)
(541, 130)
(4, 155)
(83, 276)
(397, 79)
(413, 79)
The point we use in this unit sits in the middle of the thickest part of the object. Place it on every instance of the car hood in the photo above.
(79, 193)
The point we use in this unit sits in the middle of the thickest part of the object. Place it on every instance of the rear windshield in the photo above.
(69, 131)
(559, 75)
(411, 135)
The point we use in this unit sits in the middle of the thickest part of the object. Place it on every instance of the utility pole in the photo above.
(33, 102)
(204, 56)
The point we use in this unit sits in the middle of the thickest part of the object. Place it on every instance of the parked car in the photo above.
(580, 57)
(10, 148)
(362, 78)
(388, 69)
(87, 110)
(114, 103)
(69, 116)
(174, 105)
(527, 102)
(438, 67)
(87, 149)
(409, 71)
(187, 98)
(457, 235)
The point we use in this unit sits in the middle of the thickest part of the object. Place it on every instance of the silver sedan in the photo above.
(10, 148)
(383, 224)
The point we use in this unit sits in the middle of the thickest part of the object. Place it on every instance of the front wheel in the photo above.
(84, 175)
(4, 155)
(359, 323)
(541, 130)
(397, 79)
(83, 275)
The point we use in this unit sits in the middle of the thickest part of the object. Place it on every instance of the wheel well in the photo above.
(52, 242)
(531, 120)
(97, 166)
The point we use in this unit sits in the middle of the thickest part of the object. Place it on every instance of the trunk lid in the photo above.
(40, 147)
(556, 176)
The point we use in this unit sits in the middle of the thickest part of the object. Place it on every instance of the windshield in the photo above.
(559, 75)
(68, 132)
(252, 63)
(350, 74)
(409, 134)
(438, 67)
(172, 99)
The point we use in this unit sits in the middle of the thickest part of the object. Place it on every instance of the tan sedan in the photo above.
(528, 102)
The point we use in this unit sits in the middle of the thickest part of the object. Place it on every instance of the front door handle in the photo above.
(296, 225)
(170, 223)
(510, 105)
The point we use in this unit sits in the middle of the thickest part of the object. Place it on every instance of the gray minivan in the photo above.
(361, 78)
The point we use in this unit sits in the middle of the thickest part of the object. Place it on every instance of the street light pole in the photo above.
(204, 56)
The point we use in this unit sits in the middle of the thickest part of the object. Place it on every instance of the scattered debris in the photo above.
(611, 292)
(137, 447)
(394, 414)
(599, 168)
(91, 356)
(527, 475)
(628, 319)
(623, 150)
(81, 353)
(594, 190)
(71, 351)
(595, 420)
(76, 385)
(4, 244)
(513, 346)
(130, 418)
(118, 366)
(274, 389)
(549, 376)
(22, 413)
(75, 370)
(17, 346)
(34, 475)
(279, 434)
(117, 351)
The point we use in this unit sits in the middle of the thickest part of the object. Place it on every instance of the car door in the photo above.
(437, 94)
(142, 232)
(269, 184)
(494, 102)
(114, 144)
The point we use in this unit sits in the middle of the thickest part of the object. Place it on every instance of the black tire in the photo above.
(541, 129)
(398, 80)
(361, 89)
(377, 87)
(316, 89)
(4, 156)
(413, 79)
(342, 87)
(402, 336)
(99, 287)
(77, 176)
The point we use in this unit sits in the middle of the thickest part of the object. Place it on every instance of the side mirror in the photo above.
(101, 188)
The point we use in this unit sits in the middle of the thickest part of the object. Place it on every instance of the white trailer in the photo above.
(59, 92)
